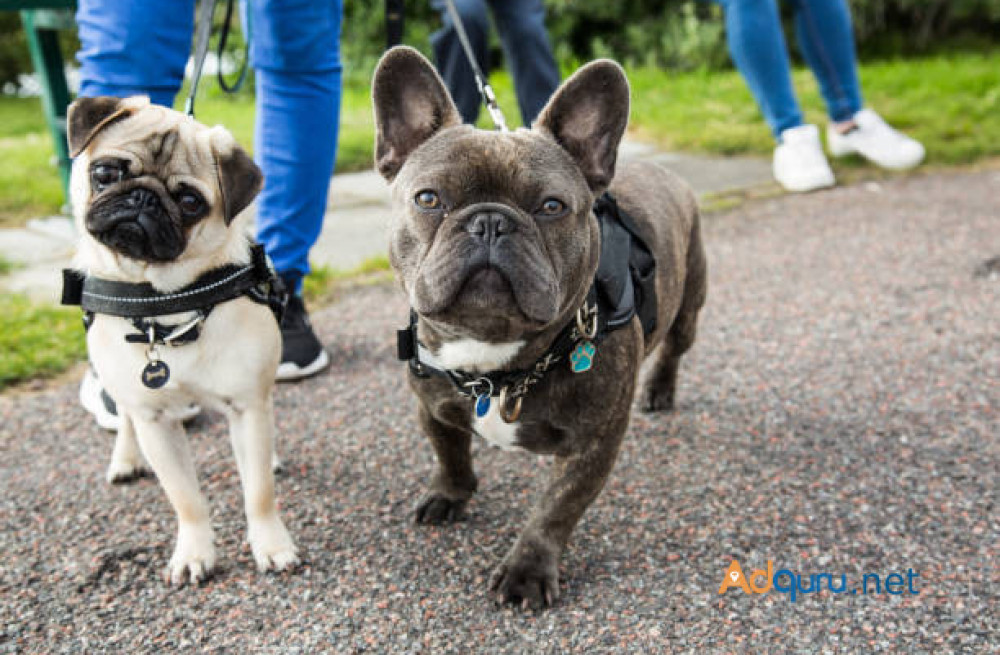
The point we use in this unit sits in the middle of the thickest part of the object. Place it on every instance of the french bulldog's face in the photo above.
(148, 178)
(492, 234)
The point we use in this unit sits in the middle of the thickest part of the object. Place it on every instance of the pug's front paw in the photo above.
(529, 575)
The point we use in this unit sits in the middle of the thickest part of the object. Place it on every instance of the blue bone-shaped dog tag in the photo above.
(582, 357)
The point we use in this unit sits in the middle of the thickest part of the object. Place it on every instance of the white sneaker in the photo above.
(799, 162)
(96, 400)
(876, 141)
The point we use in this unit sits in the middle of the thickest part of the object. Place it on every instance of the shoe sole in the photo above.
(290, 371)
(112, 422)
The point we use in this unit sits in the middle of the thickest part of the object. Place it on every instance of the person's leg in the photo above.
(826, 39)
(451, 60)
(124, 51)
(758, 48)
(295, 52)
(521, 24)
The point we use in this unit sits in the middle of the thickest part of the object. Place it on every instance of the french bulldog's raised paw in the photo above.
(531, 581)
(435, 508)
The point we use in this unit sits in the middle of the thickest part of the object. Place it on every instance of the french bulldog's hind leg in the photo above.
(660, 385)
(251, 431)
(455, 481)
(127, 463)
(165, 445)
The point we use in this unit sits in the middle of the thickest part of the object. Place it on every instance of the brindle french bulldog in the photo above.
(496, 244)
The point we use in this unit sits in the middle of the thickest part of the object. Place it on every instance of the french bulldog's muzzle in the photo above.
(138, 222)
(488, 260)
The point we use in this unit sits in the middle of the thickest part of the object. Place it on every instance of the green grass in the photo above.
(37, 340)
(318, 286)
(950, 102)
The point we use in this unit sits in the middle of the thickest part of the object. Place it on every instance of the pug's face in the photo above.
(492, 234)
(150, 181)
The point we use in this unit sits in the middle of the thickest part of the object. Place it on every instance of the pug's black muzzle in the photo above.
(136, 223)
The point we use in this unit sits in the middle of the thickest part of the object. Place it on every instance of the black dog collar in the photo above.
(623, 287)
(141, 303)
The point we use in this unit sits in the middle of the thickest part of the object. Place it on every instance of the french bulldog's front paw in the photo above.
(657, 400)
(272, 546)
(126, 471)
(194, 557)
(436, 508)
(529, 576)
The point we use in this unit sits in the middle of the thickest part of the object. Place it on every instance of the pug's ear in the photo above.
(587, 116)
(240, 179)
(88, 116)
(411, 105)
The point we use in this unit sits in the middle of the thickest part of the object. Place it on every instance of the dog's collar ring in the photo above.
(509, 414)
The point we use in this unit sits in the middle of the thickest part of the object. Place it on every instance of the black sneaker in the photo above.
(302, 354)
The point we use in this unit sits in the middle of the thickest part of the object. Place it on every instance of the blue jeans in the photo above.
(757, 45)
(521, 25)
(141, 47)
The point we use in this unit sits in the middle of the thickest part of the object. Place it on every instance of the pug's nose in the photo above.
(141, 198)
(488, 227)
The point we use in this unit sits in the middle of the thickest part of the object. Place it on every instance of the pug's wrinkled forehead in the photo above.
(150, 140)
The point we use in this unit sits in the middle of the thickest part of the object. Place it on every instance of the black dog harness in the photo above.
(141, 304)
(623, 287)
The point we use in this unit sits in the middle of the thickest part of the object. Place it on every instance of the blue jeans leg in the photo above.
(826, 39)
(295, 52)
(521, 24)
(757, 45)
(450, 58)
(134, 48)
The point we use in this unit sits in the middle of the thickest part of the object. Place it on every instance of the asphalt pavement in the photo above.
(839, 414)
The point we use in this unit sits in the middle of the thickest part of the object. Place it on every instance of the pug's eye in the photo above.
(104, 175)
(552, 207)
(190, 203)
(427, 199)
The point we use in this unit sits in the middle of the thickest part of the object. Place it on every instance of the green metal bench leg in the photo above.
(50, 67)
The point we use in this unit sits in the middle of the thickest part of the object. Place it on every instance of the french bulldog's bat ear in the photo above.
(88, 116)
(411, 105)
(587, 116)
(240, 179)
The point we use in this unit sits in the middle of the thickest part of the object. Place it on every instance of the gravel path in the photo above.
(839, 413)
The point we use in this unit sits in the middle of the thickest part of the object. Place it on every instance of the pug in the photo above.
(496, 241)
(159, 202)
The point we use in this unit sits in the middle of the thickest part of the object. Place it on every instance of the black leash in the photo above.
(394, 22)
(203, 33)
(485, 90)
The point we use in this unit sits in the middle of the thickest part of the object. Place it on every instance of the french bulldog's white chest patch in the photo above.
(494, 429)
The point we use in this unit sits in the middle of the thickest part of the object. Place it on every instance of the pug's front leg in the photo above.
(127, 463)
(251, 430)
(455, 481)
(529, 574)
(165, 445)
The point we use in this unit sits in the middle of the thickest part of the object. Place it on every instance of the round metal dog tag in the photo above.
(155, 374)
(482, 406)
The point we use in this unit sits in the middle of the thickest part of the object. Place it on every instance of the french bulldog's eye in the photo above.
(427, 199)
(190, 203)
(106, 174)
(552, 207)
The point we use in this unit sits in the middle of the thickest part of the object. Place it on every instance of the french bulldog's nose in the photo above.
(141, 198)
(490, 226)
